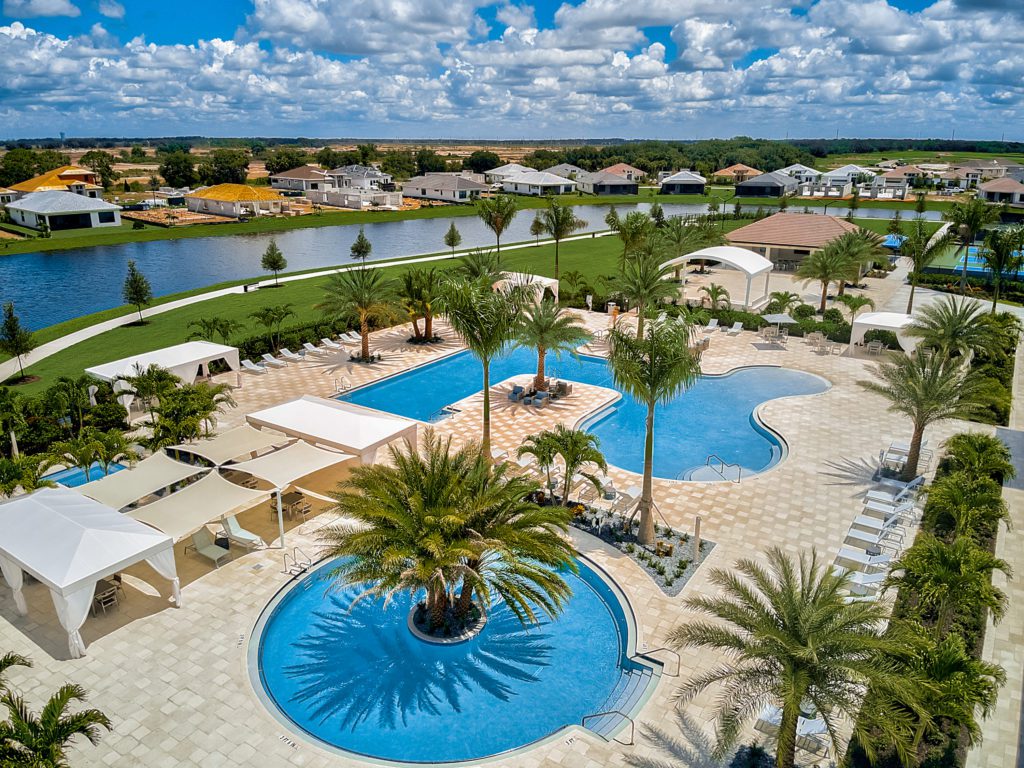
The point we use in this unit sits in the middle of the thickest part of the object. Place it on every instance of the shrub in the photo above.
(136, 224)
(107, 416)
(833, 316)
(727, 317)
(802, 311)
(886, 337)
(292, 337)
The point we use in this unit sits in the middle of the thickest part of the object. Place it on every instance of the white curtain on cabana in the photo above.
(15, 579)
(896, 322)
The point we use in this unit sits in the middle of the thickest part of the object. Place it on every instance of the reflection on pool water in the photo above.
(714, 417)
(352, 675)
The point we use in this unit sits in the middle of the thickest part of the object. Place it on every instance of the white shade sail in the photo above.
(744, 260)
(189, 509)
(282, 468)
(69, 542)
(150, 475)
(896, 322)
(235, 443)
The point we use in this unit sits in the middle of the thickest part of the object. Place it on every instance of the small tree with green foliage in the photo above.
(137, 290)
(362, 247)
(15, 339)
(273, 260)
(453, 238)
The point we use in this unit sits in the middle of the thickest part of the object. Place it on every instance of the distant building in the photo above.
(537, 183)
(302, 179)
(683, 183)
(786, 238)
(995, 168)
(803, 174)
(603, 183)
(6, 196)
(58, 210)
(502, 172)
(736, 173)
(774, 184)
(361, 177)
(67, 178)
(626, 171)
(1003, 190)
(445, 187)
(847, 174)
(565, 170)
(236, 201)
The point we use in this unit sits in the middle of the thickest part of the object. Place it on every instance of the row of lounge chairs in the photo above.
(714, 326)
(203, 543)
(327, 346)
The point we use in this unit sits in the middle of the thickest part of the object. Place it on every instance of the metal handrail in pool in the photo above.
(632, 725)
(648, 655)
(725, 465)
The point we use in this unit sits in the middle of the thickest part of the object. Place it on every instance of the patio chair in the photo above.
(884, 511)
(203, 544)
(516, 394)
(889, 540)
(880, 524)
(711, 326)
(863, 583)
(328, 344)
(866, 560)
(252, 367)
(498, 454)
(105, 599)
(889, 497)
(269, 359)
(540, 400)
(350, 337)
(234, 532)
(287, 354)
(311, 350)
(736, 328)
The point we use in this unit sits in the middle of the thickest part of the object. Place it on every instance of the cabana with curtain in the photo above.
(895, 322)
(536, 283)
(150, 475)
(749, 263)
(69, 542)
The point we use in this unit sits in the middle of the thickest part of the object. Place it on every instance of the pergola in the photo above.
(750, 263)
(69, 542)
(896, 322)
(150, 475)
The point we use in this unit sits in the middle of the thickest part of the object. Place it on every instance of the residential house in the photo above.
(537, 183)
(1002, 190)
(67, 178)
(954, 179)
(356, 198)
(735, 173)
(603, 183)
(821, 188)
(565, 170)
(6, 196)
(445, 187)
(236, 201)
(802, 173)
(626, 171)
(683, 183)
(59, 209)
(502, 172)
(786, 238)
(996, 168)
(773, 184)
(847, 174)
(361, 177)
(302, 179)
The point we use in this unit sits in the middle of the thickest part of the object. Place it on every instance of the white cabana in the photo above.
(537, 283)
(749, 263)
(896, 322)
(69, 542)
(150, 475)
(186, 361)
(186, 511)
(334, 424)
(238, 442)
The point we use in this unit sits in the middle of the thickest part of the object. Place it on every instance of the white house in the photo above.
(802, 173)
(565, 170)
(499, 174)
(847, 174)
(683, 183)
(236, 201)
(63, 210)
(450, 189)
(361, 177)
(537, 183)
(6, 196)
(302, 179)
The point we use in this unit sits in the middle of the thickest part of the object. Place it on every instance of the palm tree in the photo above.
(149, 385)
(547, 327)
(922, 248)
(950, 579)
(497, 213)
(1001, 256)
(793, 641)
(855, 303)
(410, 297)
(111, 446)
(7, 661)
(43, 739)
(209, 327)
(577, 449)
(209, 400)
(653, 368)
(784, 300)
(645, 283)
(967, 504)
(927, 391)
(717, 295)
(365, 293)
(680, 236)
(479, 267)
(634, 230)
(542, 447)
(487, 321)
(858, 249)
(560, 221)
(24, 473)
(981, 455)
(968, 218)
(70, 397)
(955, 326)
(826, 266)
(12, 416)
(271, 318)
(81, 452)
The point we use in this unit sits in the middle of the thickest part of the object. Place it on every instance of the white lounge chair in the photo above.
(269, 359)
(876, 524)
(889, 541)
(311, 350)
(328, 344)
(736, 328)
(287, 354)
(498, 454)
(252, 367)
(350, 338)
(712, 326)
(861, 583)
(231, 528)
(885, 511)
(203, 544)
(897, 495)
(864, 559)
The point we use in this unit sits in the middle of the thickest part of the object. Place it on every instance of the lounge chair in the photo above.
(328, 344)
(311, 350)
(865, 559)
(350, 337)
(711, 326)
(287, 354)
(885, 511)
(878, 524)
(498, 454)
(252, 367)
(889, 540)
(516, 394)
(203, 544)
(909, 491)
(231, 528)
(269, 359)
(736, 328)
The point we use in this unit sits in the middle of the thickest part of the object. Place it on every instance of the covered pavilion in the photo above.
(749, 263)
(895, 322)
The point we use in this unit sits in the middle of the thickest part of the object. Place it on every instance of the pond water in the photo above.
(50, 287)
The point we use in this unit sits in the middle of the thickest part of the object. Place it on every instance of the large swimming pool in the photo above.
(351, 674)
(714, 418)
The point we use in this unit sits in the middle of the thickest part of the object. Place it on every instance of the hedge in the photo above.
(293, 337)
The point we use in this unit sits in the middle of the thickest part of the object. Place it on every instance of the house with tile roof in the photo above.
(626, 171)
(604, 183)
(537, 183)
(57, 210)
(67, 178)
(236, 201)
(302, 179)
(1004, 190)
(786, 238)
(446, 187)
(683, 183)
(735, 173)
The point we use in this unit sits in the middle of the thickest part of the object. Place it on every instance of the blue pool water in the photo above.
(353, 676)
(714, 417)
(75, 476)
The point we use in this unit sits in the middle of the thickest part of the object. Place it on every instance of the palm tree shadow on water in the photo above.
(395, 676)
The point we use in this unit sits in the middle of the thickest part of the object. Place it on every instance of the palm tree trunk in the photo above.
(364, 333)
(963, 274)
(465, 598)
(416, 328)
(14, 445)
(646, 535)
(556, 258)
(436, 606)
(428, 324)
(785, 747)
(497, 239)
(995, 293)
(567, 485)
(640, 320)
(538, 379)
(910, 301)
(824, 296)
(913, 455)
(486, 438)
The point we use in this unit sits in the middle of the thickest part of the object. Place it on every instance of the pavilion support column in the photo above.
(280, 516)
(746, 299)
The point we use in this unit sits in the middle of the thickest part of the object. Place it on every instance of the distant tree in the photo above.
(102, 164)
(137, 290)
(16, 166)
(401, 165)
(481, 161)
(895, 224)
(15, 339)
(428, 161)
(537, 227)
(273, 260)
(560, 221)
(224, 166)
(497, 213)
(178, 170)
(657, 214)
(208, 328)
(452, 238)
(48, 159)
(285, 159)
(362, 247)
(921, 204)
(367, 153)
(612, 220)
(137, 154)
(328, 158)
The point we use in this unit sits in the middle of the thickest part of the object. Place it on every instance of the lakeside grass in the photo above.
(912, 156)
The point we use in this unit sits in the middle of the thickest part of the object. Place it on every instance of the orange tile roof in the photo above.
(797, 230)
(1005, 184)
(738, 168)
(620, 168)
(235, 193)
(58, 179)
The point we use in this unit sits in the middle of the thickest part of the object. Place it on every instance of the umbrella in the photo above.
(779, 319)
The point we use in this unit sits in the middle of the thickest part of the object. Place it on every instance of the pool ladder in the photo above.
(632, 726)
(342, 385)
(296, 562)
(723, 465)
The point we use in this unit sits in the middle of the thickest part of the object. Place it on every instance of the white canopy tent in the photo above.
(69, 542)
(185, 361)
(150, 475)
(896, 322)
(186, 511)
(537, 283)
(240, 441)
(746, 261)
(334, 424)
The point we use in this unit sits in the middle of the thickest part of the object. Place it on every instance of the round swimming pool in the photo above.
(352, 676)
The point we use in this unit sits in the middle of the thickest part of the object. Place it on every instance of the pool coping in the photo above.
(635, 651)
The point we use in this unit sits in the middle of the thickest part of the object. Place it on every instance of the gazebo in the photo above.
(537, 283)
(749, 263)
(895, 322)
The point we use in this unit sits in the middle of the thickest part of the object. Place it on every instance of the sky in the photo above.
(462, 69)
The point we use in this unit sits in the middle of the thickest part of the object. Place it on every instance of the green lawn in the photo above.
(912, 156)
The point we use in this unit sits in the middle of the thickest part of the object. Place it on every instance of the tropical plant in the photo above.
(560, 221)
(410, 297)
(273, 260)
(922, 248)
(15, 340)
(653, 368)
(548, 328)
(365, 293)
(825, 266)
(136, 290)
(956, 326)
(612, 220)
(981, 455)
(453, 238)
(575, 281)
(634, 230)
(680, 236)
(927, 391)
(543, 449)
(784, 301)
(8, 661)
(1001, 254)
(149, 385)
(855, 303)
(716, 295)
(80, 452)
(23, 473)
(69, 397)
(577, 449)
(968, 218)
(361, 247)
(188, 413)
(271, 318)
(487, 320)
(793, 641)
(479, 267)
(42, 739)
(645, 283)
(12, 416)
(967, 504)
(497, 214)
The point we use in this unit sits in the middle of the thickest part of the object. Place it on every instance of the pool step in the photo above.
(625, 697)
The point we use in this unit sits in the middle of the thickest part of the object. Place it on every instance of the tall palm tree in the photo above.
(150, 384)
(826, 266)
(784, 300)
(497, 213)
(271, 318)
(365, 293)
(653, 368)
(927, 391)
(955, 325)
(634, 230)
(680, 236)
(111, 446)
(542, 447)
(24, 473)
(560, 221)
(793, 641)
(547, 327)
(69, 396)
(80, 451)
(12, 417)
(967, 504)
(968, 218)
(479, 267)
(717, 295)
(981, 455)
(577, 449)
(43, 739)
(1001, 254)
(208, 328)
(645, 283)
(487, 321)
(410, 297)
(923, 248)
(858, 249)
(950, 579)
(855, 303)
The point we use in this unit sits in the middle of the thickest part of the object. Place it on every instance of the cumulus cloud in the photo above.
(111, 9)
(30, 9)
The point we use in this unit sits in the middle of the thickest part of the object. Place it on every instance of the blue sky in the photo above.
(474, 68)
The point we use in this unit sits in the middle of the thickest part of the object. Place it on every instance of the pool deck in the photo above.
(175, 683)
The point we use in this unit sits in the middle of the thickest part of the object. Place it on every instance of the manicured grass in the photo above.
(912, 156)
(881, 226)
